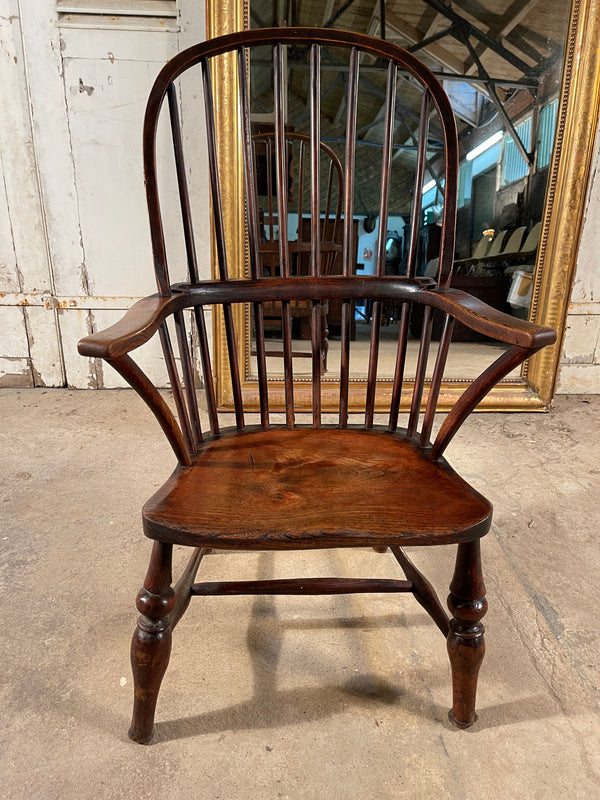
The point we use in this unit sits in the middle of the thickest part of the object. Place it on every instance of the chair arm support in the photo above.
(479, 316)
(135, 328)
(113, 344)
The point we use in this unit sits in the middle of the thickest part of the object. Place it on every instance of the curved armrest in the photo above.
(135, 328)
(478, 316)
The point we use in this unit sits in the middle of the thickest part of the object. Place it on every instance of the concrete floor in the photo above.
(292, 698)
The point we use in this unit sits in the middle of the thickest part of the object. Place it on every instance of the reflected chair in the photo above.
(494, 262)
(307, 484)
(480, 249)
(525, 257)
(297, 157)
(486, 247)
(503, 250)
(497, 244)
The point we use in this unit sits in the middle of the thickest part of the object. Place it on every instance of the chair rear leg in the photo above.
(466, 645)
(151, 644)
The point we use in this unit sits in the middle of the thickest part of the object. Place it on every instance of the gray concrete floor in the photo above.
(291, 697)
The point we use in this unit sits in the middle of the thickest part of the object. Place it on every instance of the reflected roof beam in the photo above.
(444, 57)
(435, 25)
(338, 13)
(525, 155)
(446, 76)
(512, 17)
(327, 11)
(461, 24)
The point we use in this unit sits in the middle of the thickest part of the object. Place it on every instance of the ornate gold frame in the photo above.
(564, 211)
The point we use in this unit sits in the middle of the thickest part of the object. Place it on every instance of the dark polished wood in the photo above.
(348, 483)
(151, 643)
(287, 489)
(466, 644)
(302, 586)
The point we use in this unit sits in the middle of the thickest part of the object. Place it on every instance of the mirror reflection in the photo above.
(500, 62)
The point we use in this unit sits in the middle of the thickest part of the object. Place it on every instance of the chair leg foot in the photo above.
(462, 725)
(151, 643)
(466, 644)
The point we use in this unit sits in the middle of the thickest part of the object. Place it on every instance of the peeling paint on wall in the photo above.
(16, 380)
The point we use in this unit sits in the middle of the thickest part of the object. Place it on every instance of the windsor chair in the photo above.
(355, 483)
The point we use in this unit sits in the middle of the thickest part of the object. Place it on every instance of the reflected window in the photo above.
(514, 166)
(546, 133)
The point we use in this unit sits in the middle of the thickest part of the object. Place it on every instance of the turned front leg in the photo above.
(466, 645)
(151, 644)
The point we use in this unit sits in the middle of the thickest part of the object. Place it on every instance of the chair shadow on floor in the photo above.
(270, 707)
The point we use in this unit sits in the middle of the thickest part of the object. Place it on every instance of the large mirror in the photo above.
(523, 79)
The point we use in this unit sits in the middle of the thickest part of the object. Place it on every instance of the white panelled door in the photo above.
(74, 241)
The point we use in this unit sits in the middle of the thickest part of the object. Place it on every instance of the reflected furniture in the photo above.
(266, 484)
(297, 157)
(527, 253)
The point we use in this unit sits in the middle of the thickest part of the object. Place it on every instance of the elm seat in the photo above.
(302, 488)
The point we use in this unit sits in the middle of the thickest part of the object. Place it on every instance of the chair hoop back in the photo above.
(399, 61)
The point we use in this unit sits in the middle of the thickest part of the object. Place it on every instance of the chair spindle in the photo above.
(347, 262)
(386, 162)
(220, 238)
(173, 374)
(249, 165)
(249, 153)
(328, 207)
(207, 375)
(234, 366)
(270, 210)
(188, 379)
(415, 220)
(399, 366)
(184, 197)
(213, 164)
(415, 406)
(448, 237)
(373, 361)
(281, 182)
(301, 167)
(436, 380)
(315, 221)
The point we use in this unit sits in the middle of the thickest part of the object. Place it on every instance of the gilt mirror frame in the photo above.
(564, 209)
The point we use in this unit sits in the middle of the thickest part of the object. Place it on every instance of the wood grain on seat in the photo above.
(314, 488)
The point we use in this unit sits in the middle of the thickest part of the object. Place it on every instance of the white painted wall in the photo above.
(580, 362)
(29, 339)
(74, 239)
